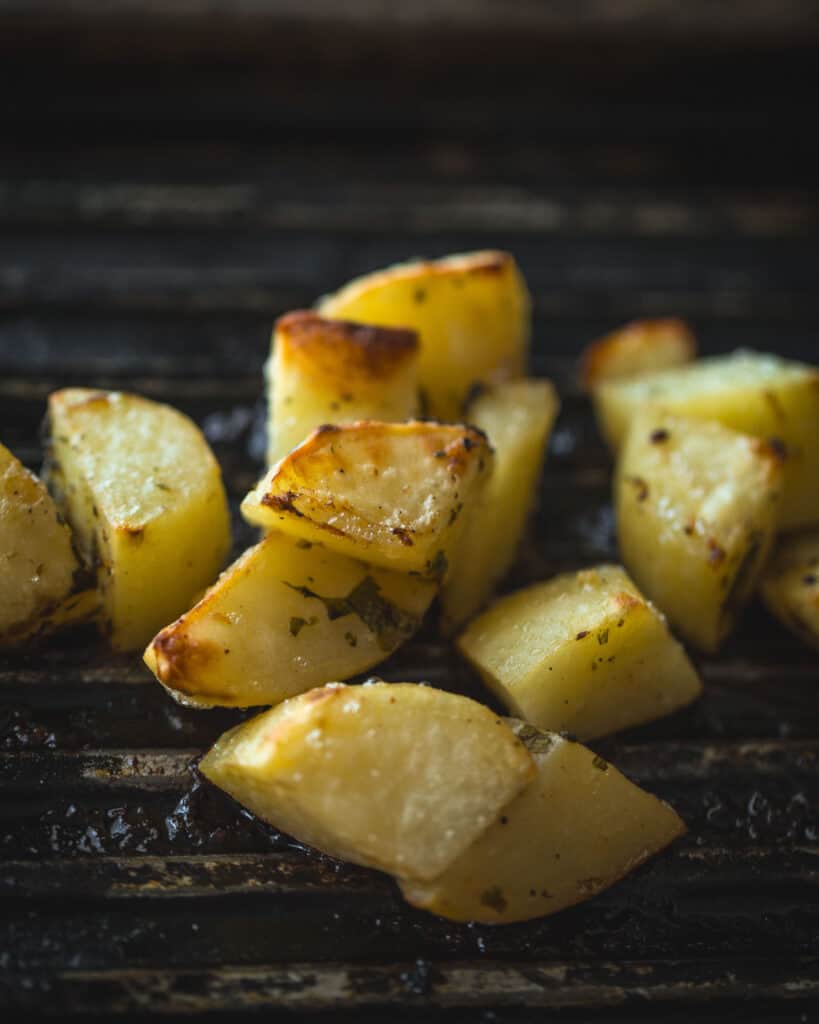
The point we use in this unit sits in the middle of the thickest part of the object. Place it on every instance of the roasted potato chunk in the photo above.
(639, 347)
(577, 828)
(472, 313)
(40, 576)
(285, 617)
(697, 507)
(333, 371)
(790, 584)
(583, 652)
(756, 394)
(517, 418)
(390, 494)
(399, 777)
(143, 494)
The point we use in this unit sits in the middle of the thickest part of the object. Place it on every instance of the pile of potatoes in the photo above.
(405, 448)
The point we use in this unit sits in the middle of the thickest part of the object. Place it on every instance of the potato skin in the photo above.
(336, 371)
(639, 347)
(790, 584)
(697, 507)
(577, 828)
(472, 312)
(583, 653)
(394, 776)
(143, 493)
(282, 619)
(391, 494)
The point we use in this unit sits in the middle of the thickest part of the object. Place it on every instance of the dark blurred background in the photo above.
(175, 174)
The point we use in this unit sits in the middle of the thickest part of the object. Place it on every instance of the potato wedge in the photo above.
(754, 393)
(638, 347)
(143, 494)
(790, 584)
(472, 312)
(333, 371)
(390, 494)
(583, 652)
(577, 828)
(517, 418)
(697, 506)
(399, 777)
(40, 575)
(285, 617)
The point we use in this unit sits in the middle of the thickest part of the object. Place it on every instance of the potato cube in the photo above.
(40, 575)
(143, 494)
(577, 828)
(472, 313)
(757, 394)
(287, 616)
(517, 418)
(332, 371)
(790, 584)
(399, 777)
(697, 507)
(390, 494)
(583, 652)
(639, 347)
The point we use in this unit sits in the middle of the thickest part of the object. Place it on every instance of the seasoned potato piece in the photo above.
(697, 507)
(577, 828)
(517, 418)
(390, 494)
(143, 494)
(39, 572)
(640, 346)
(583, 652)
(790, 584)
(333, 371)
(747, 391)
(287, 616)
(472, 312)
(393, 776)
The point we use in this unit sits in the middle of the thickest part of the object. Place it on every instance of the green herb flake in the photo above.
(603, 637)
(535, 741)
(494, 899)
(351, 639)
(390, 624)
(297, 624)
(436, 568)
(600, 764)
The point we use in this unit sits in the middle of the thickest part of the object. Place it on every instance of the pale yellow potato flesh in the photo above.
(697, 507)
(790, 584)
(39, 571)
(754, 393)
(333, 371)
(517, 417)
(638, 347)
(583, 653)
(286, 617)
(139, 485)
(399, 777)
(577, 828)
(472, 312)
(390, 494)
